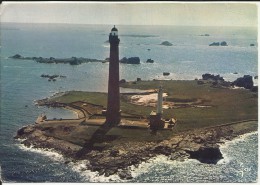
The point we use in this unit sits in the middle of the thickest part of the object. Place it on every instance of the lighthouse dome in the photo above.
(114, 31)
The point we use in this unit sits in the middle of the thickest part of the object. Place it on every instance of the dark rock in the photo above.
(123, 60)
(74, 61)
(125, 174)
(27, 143)
(131, 60)
(224, 43)
(24, 131)
(66, 162)
(256, 77)
(114, 153)
(16, 56)
(207, 154)
(162, 150)
(252, 45)
(149, 61)
(166, 73)
(235, 73)
(198, 140)
(208, 76)
(166, 43)
(134, 60)
(179, 155)
(122, 81)
(214, 44)
(111, 171)
(246, 82)
(138, 79)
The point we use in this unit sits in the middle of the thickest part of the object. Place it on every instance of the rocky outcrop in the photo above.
(149, 61)
(116, 158)
(216, 80)
(131, 60)
(166, 73)
(166, 43)
(17, 56)
(122, 81)
(205, 35)
(52, 77)
(207, 154)
(246, 81)
(223, 43)
(212, 77)
(51, 60)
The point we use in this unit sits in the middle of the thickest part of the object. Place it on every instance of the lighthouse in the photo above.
(159, 101)
(156, 121)
(113, 116)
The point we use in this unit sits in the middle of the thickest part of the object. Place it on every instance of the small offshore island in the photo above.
(207, 115)
(116, 130)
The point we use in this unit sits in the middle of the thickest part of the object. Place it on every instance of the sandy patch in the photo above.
(147, 100)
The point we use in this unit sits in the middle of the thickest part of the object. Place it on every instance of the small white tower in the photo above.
(159, 101)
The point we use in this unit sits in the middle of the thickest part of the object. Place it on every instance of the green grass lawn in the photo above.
(226, 105)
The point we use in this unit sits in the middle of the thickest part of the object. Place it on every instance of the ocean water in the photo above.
(188, 58)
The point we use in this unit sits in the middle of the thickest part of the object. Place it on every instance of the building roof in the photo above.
(114, 29)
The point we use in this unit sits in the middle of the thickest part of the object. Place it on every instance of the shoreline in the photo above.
(198, 136)
(118, 159)
(79, 166)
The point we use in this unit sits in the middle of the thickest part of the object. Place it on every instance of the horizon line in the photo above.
(130, 24)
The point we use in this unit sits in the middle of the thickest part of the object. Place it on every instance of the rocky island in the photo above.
(207, 113)
(75, 60)
(223, 43)
(131, 60)
(166, 43)
(52, 60)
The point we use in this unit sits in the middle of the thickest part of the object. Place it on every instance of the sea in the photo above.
(188, 58)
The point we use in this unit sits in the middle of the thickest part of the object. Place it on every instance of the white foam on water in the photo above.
(225, 146)
(79, 167)
(238, 139)
(45, 152)
(145, 167)
(89, 176)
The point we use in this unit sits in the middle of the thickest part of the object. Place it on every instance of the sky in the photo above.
(133, 13)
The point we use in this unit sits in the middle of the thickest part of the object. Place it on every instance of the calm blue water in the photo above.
(188, 58)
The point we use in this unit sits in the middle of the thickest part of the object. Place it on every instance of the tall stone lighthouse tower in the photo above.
(113, 100)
